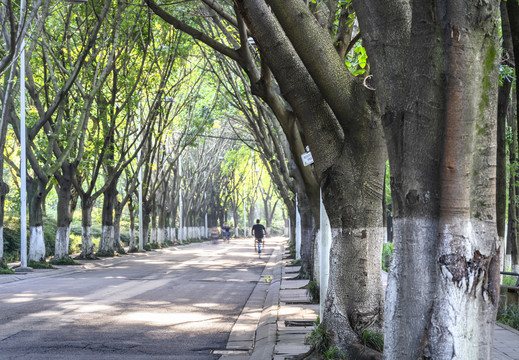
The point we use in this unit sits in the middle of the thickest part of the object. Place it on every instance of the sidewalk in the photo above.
(288, 317)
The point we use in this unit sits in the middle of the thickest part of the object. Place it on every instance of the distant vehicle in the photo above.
(214, 234)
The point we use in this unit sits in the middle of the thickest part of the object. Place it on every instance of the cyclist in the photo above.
(259, 232)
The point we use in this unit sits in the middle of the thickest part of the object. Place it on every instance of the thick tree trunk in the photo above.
(87, 246)
(61, 249)
(4, 189)
(146, 210)
(439, 111)
(161, 225)
(133, 239)
(513, 14)
(307, 236)
(36, 193)
(355, 298)
(502, 117)
(117, 228)
(107, 245)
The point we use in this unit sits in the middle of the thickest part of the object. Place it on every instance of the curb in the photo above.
(267, 327)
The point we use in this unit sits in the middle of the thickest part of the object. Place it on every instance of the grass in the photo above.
(106, 253)
(334, 353)
(374, 340)
(39, 265)
(64, 261)
(6, 271)
(319, 338)
(314, 291)
(509, 316)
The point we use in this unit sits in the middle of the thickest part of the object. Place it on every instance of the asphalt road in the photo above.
(175, 303)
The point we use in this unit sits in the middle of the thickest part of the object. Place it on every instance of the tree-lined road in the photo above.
(176, 303)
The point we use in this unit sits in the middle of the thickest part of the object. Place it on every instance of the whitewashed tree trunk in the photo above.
(160, 235)
(407, 275)
(317, 259)
(61, 246)
(133, 241)
(456, 316)
(325, 242)
(106, 244)
(366, 302)
(87, 246)
(36, 243)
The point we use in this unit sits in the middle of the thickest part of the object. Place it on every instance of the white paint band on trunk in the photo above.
(37, 243)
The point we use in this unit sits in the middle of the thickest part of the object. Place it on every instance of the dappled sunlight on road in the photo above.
(174, 298)
(166, 319)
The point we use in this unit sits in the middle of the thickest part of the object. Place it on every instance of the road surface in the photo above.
(174, 303)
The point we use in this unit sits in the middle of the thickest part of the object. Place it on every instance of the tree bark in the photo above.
(502, 117)
(133, 240)
(339, 144)
(513, 14)
(439, 111)
(107, 245)
(36, 193)
(64, 219)
(87, 246)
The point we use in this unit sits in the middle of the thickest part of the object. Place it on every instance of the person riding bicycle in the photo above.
(259, 231)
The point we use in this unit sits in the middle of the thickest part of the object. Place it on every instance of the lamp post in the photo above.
(141, 219)
(23, 154)
(180, 208)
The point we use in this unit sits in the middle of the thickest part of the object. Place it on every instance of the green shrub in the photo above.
(509, 316)
(387, 252)
(6, 271)
(49, 234)
(509, 280)
(74, 245)
(146, 247)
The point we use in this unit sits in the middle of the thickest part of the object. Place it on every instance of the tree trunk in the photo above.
(161, 226)
(36, 193)
(146, 210)
(513, 14)
(502, 116)
(4, 190)
(107, 243)
(87, 246)
(118, 213)
(133, 240)
(355, 298)
(61, 250)
(439, 117)
(307, 236)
